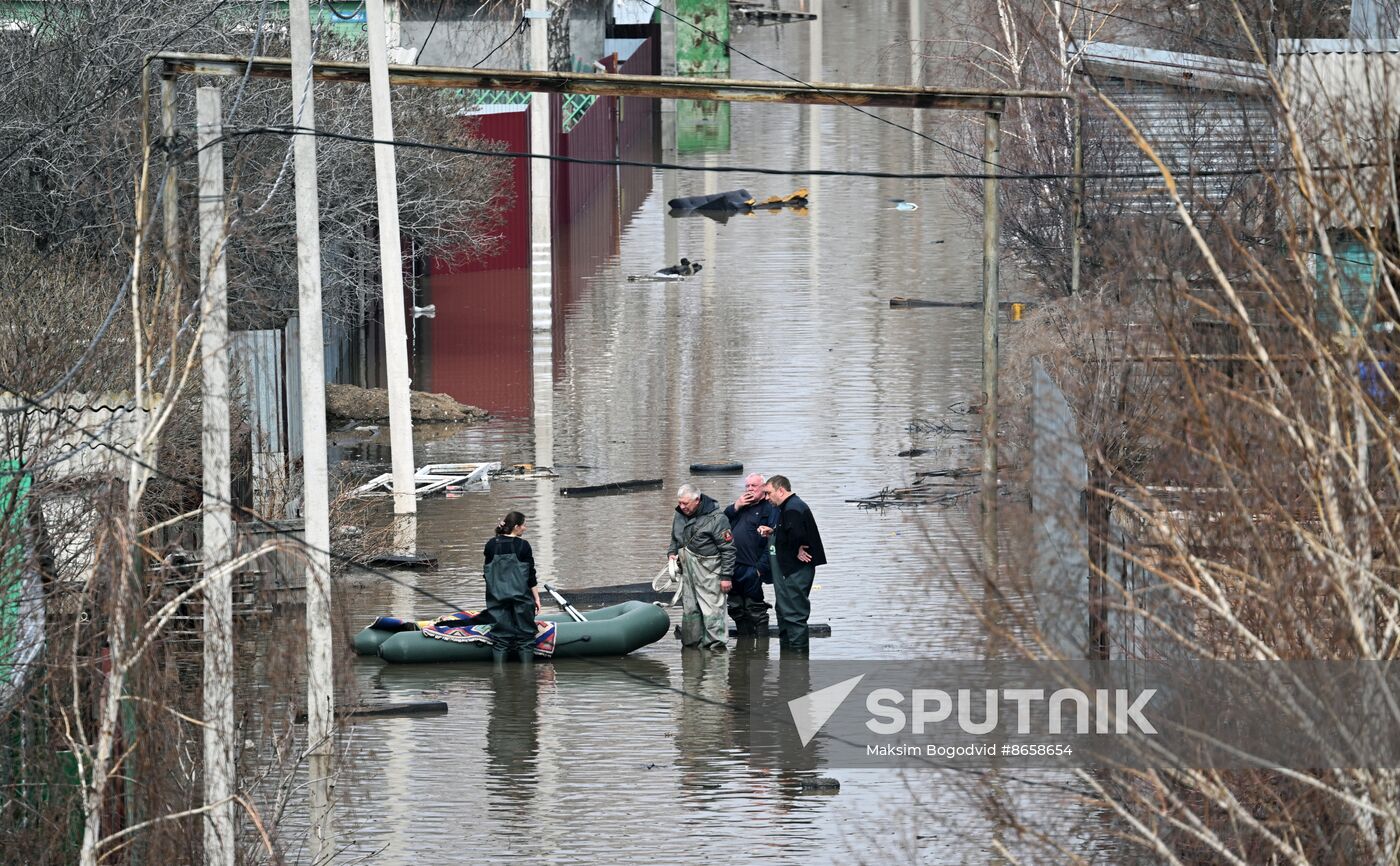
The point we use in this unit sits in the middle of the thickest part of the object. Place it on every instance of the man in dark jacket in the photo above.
(702, 545)
(751, 569)
(794, 550)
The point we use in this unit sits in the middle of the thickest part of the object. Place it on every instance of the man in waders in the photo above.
(751, 570)
(702, 547)
(794, 550)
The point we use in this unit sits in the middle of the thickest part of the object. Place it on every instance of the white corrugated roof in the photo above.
(1338, 46)
(1172, 67)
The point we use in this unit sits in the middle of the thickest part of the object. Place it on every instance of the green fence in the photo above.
(14, 517)
(1356, 278)
(576, 105)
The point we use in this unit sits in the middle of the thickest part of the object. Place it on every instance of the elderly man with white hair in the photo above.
(702, 546)
(751, 564)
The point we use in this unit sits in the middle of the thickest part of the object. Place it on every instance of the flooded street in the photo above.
(783, 353)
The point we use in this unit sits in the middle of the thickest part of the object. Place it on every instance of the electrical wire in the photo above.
(436, 15)
(353, 16)
(743, 169)
(252, 53)
(519, 26)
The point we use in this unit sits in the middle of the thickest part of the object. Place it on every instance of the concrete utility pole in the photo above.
(320, 699)
(1076, 201)
(218, 518)
(668, 68)
(391, 264)
(541, 241)
(991, 245)
(170, 216)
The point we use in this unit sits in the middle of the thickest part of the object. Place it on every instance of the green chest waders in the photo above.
(790, 592)
(510, 602)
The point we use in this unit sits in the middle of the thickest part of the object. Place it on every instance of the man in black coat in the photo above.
(751, 567)
(795, 550)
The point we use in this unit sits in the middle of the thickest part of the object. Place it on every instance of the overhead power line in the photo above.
(251, 131)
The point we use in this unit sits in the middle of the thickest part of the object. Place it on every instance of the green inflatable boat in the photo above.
(610, 631)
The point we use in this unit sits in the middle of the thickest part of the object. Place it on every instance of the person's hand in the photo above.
(724, 586)
(803, 555)
(745, 499)
(765, 531)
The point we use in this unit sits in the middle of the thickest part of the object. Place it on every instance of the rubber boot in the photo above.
(792, 591)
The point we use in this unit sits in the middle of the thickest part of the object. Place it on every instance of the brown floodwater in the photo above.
(783, 353)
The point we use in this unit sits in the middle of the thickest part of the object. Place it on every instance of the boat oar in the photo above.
(563, 603)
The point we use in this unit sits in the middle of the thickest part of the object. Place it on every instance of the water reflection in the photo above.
(782, 353)
(704, 719)
(513, 743)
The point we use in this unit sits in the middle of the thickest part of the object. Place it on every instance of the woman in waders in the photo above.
(512, 598)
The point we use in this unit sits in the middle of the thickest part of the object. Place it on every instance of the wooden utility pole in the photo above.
(218, 518)
(391, 264)
(320, 699)
(991, 246)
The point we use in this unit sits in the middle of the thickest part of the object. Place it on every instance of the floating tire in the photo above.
(717, 467)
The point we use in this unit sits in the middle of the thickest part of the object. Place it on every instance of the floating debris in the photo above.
(938, 495)
(612, 487)
(523, 471)
(735, 201)
(686, 268)
(912, 452)
(1016, 308)
(939, 428)
(400, 560)
(814, 629)
(960, 472)
(820, 783)
(433, 478)
(730, 467)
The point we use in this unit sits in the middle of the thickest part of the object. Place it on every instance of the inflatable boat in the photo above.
(610, 631)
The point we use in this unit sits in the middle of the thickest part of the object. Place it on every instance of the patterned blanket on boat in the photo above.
(397, 624)
(459, 627)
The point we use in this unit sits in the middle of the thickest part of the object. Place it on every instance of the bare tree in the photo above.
(1231, 366)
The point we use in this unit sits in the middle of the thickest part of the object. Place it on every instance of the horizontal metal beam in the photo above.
(604, 84)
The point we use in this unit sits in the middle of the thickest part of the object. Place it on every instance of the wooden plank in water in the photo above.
(814, 629)
(910, 303)
(613, 487)
(411, 708)
(402, 560)
(614, 594)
